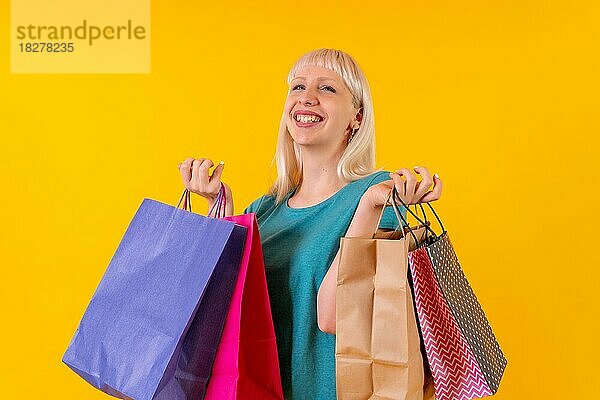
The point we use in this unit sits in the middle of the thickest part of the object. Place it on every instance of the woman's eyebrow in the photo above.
(320, 78)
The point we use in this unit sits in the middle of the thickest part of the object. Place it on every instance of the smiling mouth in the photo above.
(307, 119)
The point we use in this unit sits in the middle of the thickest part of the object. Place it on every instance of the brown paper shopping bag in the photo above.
(378, 348)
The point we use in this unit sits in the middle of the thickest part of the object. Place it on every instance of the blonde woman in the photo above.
(327, 187)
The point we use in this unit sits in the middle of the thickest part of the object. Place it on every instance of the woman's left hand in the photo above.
(410, 191)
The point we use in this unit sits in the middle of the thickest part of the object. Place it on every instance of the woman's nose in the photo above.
(308, 97)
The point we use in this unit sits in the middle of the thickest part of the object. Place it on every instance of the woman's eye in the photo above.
(329, 88)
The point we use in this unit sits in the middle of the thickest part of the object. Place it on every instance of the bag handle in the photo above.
(396, 196)
(387, 203)
(399, 216)
(427, 239)
(424, 223)
(187, 200)
(220, 203)
(423, 211)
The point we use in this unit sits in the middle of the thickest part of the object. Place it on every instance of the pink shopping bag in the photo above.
(246, 365)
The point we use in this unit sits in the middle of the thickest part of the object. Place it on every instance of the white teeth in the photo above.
(307, 118)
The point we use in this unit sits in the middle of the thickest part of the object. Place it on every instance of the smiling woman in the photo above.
(327, 187)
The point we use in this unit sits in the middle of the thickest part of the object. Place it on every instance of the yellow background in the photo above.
(499, 98)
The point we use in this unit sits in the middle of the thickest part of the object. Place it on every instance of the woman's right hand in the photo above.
(194, 173)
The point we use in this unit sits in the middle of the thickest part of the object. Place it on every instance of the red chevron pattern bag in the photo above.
(465, 359)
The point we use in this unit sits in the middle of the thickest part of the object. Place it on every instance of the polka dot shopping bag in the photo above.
(465, 359)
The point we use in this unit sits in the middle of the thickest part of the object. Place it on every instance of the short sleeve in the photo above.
(254, 207)
(250, 208)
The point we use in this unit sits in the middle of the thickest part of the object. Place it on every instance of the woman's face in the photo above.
(319, 109)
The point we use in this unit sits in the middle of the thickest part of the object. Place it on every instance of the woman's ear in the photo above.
(359, 115)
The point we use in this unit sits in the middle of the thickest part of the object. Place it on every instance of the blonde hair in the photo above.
(358, 159)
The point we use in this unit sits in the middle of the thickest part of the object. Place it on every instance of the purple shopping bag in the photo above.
(154, 322)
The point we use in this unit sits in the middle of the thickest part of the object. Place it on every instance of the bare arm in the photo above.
(363, 225)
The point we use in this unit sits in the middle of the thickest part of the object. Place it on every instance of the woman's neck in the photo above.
(319, 176)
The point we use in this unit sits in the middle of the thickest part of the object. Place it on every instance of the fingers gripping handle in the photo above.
(394, 195)
(219, 206)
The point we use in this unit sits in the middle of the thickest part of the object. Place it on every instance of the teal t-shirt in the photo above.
(299, 245)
